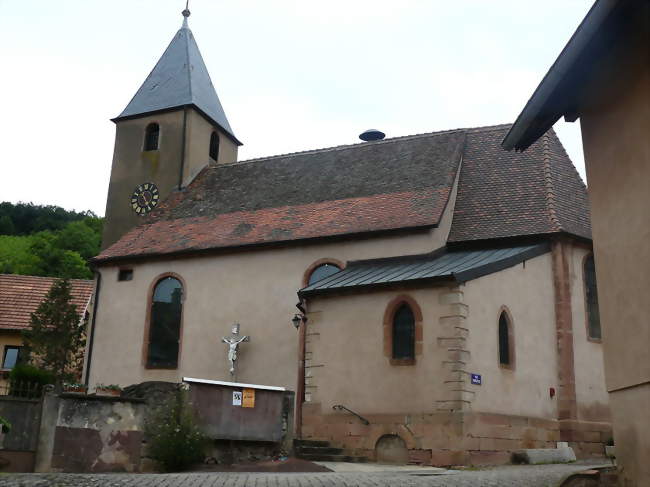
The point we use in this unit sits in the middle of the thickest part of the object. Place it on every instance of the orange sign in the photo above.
(248, 399)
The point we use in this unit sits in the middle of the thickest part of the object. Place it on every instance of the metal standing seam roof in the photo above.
(180, 78)
(457, 265)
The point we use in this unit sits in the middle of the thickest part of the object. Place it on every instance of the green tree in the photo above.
(55, 342)
(29, 218)
(54, 261)
(7, 225)
(15, 255)
(82, 236)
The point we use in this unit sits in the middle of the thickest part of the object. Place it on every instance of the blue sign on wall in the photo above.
(476, 379)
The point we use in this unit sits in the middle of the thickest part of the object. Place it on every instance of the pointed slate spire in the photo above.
(179, 78)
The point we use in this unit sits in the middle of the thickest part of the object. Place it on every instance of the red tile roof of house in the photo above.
(399, 183)
(21, 295)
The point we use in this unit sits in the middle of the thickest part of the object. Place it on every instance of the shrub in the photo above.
(28, 381)
(5, 426)
(173, 437)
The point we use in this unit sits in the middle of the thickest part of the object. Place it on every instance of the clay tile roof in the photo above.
(507, 194)
(399, 183)
(385, 185)
(21, 295)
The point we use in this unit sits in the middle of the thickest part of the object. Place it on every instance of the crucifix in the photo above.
(233, 342)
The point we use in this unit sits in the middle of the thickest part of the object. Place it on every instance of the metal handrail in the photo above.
(341, 407)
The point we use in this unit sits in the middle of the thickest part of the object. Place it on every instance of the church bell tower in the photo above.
(172, 128)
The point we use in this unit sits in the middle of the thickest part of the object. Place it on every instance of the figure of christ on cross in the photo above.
(233, 342)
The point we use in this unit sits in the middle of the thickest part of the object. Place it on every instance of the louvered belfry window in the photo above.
(504, 339)
(165, 324)
(404, 333)
(151, 137)
(214, 146)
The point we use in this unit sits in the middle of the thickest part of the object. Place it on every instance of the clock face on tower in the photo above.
(144, 198)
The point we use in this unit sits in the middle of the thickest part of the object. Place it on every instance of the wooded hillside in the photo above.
(47, 240)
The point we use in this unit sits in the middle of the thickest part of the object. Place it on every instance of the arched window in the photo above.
(165, 324)
(506, 351)
(404, 333)
(214, 146)
(322, 271)
(151, 136)
(591, 298)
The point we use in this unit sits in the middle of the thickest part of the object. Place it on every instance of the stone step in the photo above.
(311, 443)
(333, 458)
(318, 450)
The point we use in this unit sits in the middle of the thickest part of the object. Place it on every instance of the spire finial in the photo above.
(186, 13)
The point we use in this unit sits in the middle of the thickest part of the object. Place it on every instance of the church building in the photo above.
(429, 294)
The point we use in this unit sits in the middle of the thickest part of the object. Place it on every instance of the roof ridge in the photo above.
(485, 128)
(548, 183)
(187, 54)
(25, 276)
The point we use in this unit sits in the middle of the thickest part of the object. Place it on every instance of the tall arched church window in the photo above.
(591, 298)
(214, 146)
(165, 323)
(321, 272)
(404, 333)
(151, 136)
(506, 350)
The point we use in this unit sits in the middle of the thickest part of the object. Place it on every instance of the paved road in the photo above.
(507, 476)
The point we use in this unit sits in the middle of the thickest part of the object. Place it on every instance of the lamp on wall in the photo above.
(297, 319)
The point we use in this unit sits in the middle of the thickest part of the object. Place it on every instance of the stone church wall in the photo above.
(432, 405)
(525, 292)
(255, 288)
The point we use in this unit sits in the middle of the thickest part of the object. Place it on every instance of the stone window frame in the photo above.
(511, 339)
(146, 136)
(584, 293)
(147, 326)
(325, 260)
(389, 315)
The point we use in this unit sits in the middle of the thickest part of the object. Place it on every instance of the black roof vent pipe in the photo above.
(372, 134)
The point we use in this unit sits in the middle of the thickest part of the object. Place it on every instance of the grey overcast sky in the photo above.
(291, 75)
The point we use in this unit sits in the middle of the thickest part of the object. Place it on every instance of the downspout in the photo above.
(183, 143)
(300, 387)
(92, 328)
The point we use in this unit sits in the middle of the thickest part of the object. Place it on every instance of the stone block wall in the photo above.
(452, 438)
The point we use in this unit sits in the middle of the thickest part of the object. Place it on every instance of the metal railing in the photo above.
(341, 407)
(22, 389)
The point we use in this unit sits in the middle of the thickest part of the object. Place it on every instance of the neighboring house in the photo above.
(19, 298)
(447, 285)
(602, 77)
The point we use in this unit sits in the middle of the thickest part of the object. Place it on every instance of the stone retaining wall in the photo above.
(453, 438)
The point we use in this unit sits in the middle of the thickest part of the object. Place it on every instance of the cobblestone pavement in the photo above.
(507, 476)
